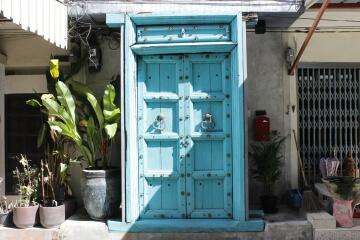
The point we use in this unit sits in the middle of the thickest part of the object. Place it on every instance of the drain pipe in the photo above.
(308, 36)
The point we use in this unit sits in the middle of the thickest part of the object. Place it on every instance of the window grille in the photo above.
(329, 118)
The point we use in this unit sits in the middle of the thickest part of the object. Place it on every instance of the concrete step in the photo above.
(321, 220)
(187, 236)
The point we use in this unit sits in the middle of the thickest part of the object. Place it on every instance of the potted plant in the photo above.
(101, 182)
(52, 209)
(345, 191)
(25, 210)
(267, 162)
(5, 211)
(93, 136)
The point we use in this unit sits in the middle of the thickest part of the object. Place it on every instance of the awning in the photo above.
(46, 18)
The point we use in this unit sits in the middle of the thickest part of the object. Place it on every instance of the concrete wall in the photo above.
(266, 84)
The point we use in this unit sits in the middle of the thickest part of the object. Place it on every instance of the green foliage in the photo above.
(62, 118)
(267, 162)
(343, 187)
(102, 122)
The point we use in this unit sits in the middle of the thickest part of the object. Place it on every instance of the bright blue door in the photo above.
(184, 122)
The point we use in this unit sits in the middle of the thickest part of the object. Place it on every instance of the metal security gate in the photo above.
(329, 117)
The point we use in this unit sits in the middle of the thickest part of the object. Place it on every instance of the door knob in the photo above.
(159, 123)
(208, 123)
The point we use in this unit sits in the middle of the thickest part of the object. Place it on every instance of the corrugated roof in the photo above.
(47, 18)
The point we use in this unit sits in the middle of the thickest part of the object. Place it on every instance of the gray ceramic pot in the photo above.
(6, 219)
(51, 217)
(101, 192)
(25, 217)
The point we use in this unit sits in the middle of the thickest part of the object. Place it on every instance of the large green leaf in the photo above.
(56, 110)
(92, 135)
(97, 109)
(41, 135)
(80, 88)
(33, 102)
(112, 116)
(109, 98)
(111, 111)
(65, 130)
(66, 99)
(111, 129)
(86, 92)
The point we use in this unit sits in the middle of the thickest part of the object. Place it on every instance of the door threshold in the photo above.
(186, 225)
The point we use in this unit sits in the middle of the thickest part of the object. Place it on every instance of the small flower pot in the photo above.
(6, 219)
(343, 213)
(51, 217)
(25, 217)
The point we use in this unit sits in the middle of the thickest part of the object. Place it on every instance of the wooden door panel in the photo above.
(161, 188)
(209, 162)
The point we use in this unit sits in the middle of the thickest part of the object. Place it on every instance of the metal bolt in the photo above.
(186, 77)
(188, 174)
(187, 194)
(181, 77)
(182, 193)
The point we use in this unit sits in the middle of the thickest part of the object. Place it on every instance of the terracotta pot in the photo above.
(101, 192)
(25, 217)
(6, 219)
(343, 213)
(51, 217)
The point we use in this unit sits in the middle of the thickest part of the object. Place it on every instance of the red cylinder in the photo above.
(262, 128)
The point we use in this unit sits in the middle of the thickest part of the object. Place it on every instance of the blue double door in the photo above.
(184, 131)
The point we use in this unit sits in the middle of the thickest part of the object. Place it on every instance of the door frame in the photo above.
(238, 65)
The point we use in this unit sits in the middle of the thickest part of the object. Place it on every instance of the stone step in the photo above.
(321, 220)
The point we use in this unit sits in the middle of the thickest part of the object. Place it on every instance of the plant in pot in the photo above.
(100, 182)
(25, 209)
(345, 191)
(5, 211)
(52, 209)
(93, 136)
(267, 162)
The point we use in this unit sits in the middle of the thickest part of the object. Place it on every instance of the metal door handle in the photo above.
(159, 123)
(208, 122)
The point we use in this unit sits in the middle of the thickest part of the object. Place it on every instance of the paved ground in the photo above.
(287, 224)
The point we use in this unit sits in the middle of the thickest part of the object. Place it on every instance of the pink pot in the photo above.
(25, 217)
(343, 213)
(51, 217)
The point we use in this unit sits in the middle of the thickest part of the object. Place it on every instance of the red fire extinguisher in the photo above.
(262, 126)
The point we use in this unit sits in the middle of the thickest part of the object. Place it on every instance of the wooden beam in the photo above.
(308, 36)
